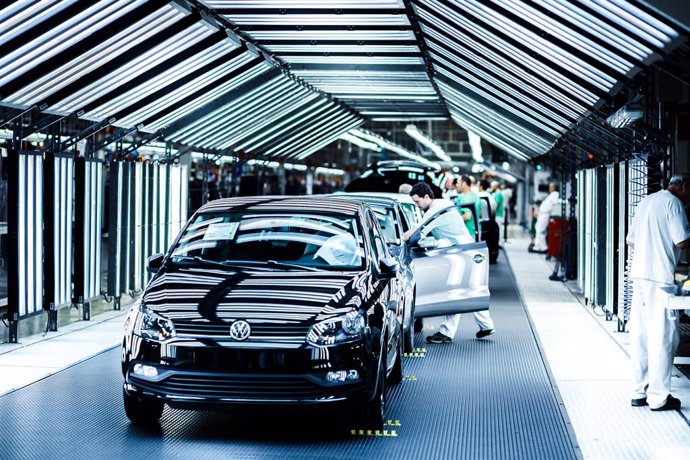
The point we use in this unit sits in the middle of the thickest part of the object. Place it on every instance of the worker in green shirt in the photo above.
(463, 185)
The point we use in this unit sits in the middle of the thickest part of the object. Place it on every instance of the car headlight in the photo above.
(151, 325)
(342, 329)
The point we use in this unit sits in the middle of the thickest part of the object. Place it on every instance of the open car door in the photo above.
(452, 274)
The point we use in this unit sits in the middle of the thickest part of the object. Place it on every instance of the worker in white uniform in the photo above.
(451, 227)
(658, 232)
(545, 209)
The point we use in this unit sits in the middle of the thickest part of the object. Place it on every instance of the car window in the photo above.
(386, 219)
(322, 241)
(379, 243)
(447, 227)
(410, 213)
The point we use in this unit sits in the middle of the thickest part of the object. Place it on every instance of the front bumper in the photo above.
(202, 375)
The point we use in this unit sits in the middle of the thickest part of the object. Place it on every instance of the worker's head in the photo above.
(404, 188)
(679, 185)
(553, 187)
(422, 195)
(464, 184)
(484, 185)
(495, 185)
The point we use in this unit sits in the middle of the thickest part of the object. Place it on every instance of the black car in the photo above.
(268, 300)
(389, 175)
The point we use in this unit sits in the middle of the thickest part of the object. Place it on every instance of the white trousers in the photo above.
(540, 229)
(451, 322)
(654, 337)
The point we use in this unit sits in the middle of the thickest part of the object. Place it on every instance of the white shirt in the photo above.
(659, 224)
(449, 226)
(548, 204)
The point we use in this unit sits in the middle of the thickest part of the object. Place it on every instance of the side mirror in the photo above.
(154, 262)
(388, 267)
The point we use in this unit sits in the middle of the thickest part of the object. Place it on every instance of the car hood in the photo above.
(195, 297)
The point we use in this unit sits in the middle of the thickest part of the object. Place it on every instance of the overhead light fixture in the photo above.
(426, 141)
(476, 147)
(360, 142)
(626, 115)
(385, 144)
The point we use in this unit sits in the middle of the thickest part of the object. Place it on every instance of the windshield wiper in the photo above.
(276, 264)
(202, 261)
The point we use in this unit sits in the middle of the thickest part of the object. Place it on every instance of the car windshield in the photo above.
(274, 240)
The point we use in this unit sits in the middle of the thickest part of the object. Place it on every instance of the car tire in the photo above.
(141, 412)
(373, 411)
(397, 371)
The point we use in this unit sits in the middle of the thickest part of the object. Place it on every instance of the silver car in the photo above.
(446, 277)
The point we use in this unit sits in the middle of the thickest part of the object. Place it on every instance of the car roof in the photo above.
(399, 197)
(304, 204)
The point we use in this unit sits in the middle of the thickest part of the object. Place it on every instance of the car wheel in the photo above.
(397, 371)
(142, 412)
(373, 411)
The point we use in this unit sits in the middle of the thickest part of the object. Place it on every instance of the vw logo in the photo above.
(239, 330)
(478, 258)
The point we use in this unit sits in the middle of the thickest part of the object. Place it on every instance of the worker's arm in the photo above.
(684, 244)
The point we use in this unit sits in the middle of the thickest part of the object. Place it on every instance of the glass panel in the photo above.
(271, 240)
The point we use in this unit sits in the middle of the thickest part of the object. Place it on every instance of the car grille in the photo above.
(240, 387)
(222, 330)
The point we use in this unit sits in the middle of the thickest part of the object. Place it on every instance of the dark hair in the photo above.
(421, 189)
(485, 184)
(466, 179)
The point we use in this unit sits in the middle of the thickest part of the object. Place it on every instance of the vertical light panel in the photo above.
(138, 230)
(30, 233)
(175, 201)
(63, 191)
(162, 207)
(609, 267)
(581, 199)
(93, 206)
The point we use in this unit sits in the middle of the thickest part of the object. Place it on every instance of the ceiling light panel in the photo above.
(299, 4)
(21, 16)
(347, 49)
(634, 20)
(333, 35)
(556, 28)
(208, 97)
(503, 100)
(61, 37)
(510, 72)
(395, 20)
(168, 49)
(354, 60)
(163, 79)
(38, 90)
(581, 18)
(541, 45)
(497, 119)
(541, 70)
(183, 91)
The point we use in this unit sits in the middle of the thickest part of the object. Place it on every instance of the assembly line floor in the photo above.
(551, 383)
